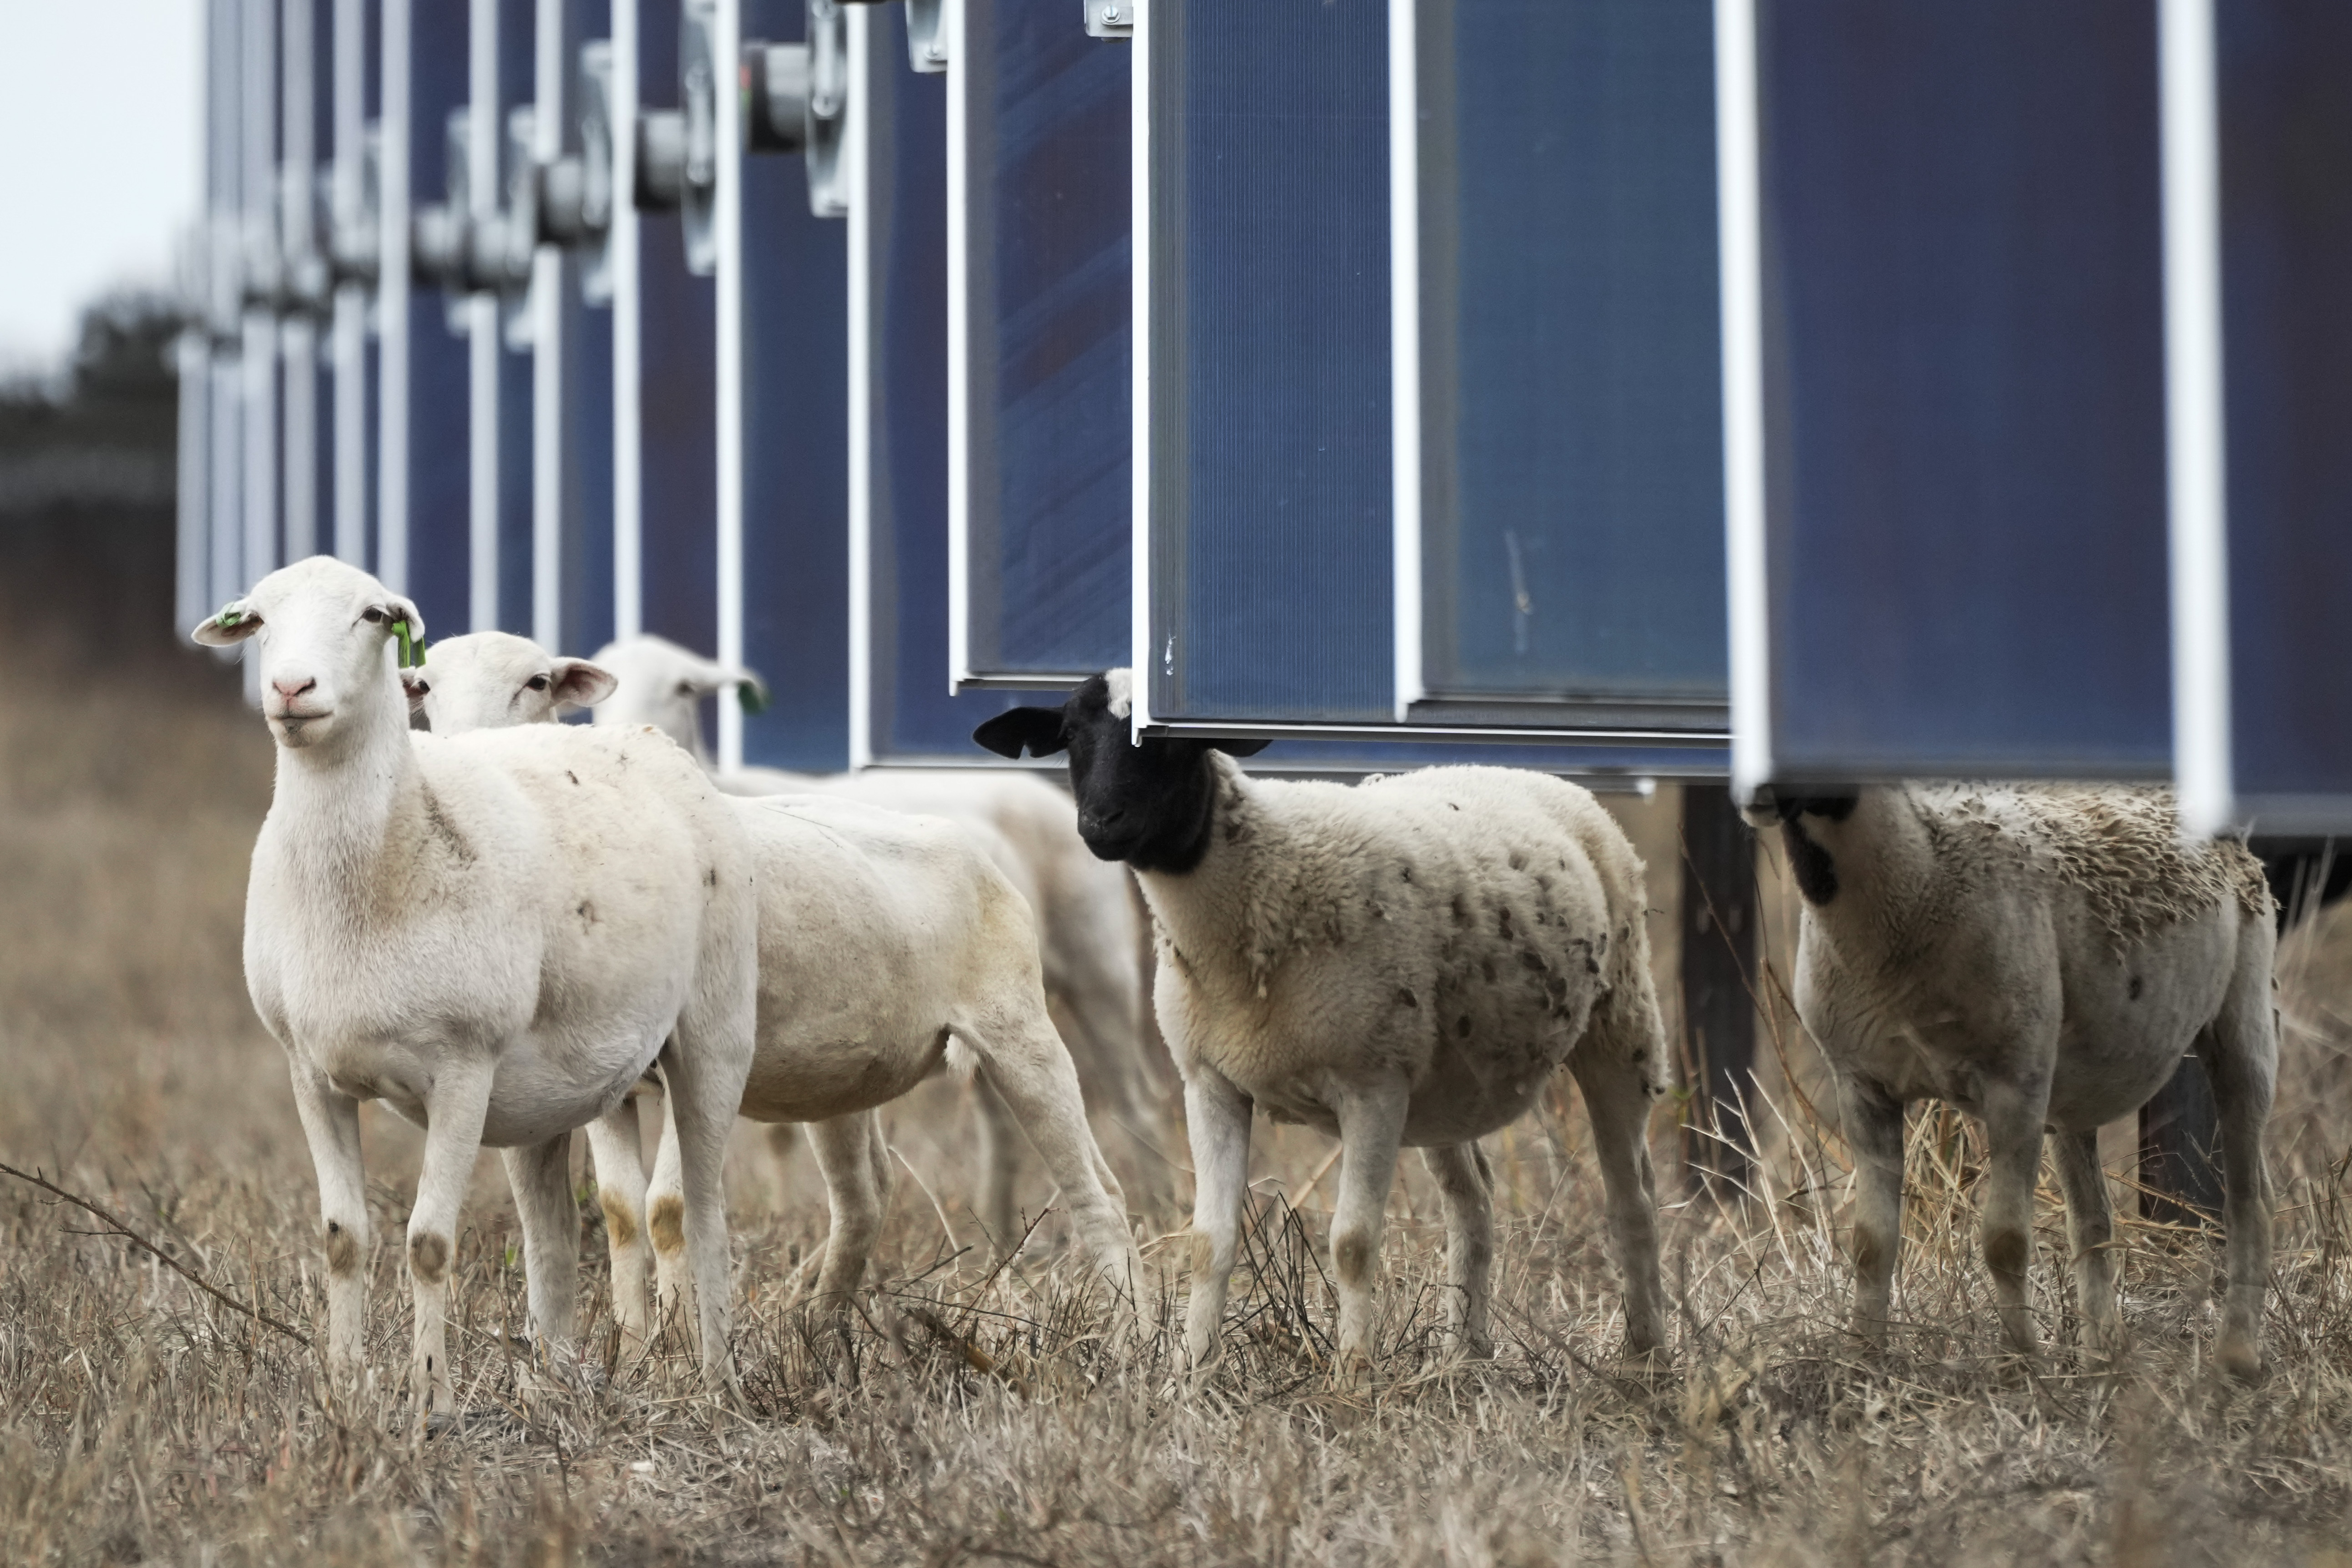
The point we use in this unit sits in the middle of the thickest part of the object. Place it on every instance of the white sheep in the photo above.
(889, 946)
(1403, 963)
(2041, 958)
(1089, 935)
(496, 935)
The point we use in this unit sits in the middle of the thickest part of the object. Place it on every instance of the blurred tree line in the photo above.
(87, 480)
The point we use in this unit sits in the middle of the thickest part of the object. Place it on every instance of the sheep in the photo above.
(889, 946)
(1089, 933)
(493, 680)
(1403, 963)
(2041, 958)
(496, 935)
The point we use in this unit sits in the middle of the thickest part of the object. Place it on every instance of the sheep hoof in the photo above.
(2242, 1359)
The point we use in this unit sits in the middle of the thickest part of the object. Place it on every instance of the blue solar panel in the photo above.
(516, 32)
(429, 541)
(900, 210)
(1048, 497)
(1571, 414)
(1964, 369)
(795, 452)
(1269, 516)
(678, 391)
(2286, 216)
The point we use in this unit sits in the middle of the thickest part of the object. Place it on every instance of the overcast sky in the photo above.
(100, 105)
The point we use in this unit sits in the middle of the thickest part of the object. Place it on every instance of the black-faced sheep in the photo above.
(2041, 958)
(1401, 963)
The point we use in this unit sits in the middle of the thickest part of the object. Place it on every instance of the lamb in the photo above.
(1403, 963)
(889, 946)
(2041, 958)
(497, 935)
(1089, 935)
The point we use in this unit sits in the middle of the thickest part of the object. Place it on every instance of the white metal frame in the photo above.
(958, 74)
(348, 344)
(855, 177)
(2195, 428)
(1141, 460)
(485, 140)
(628, 336)
(727, 225)
(1740, 241)
(396, 203)
(1404, 345)
(551, 352)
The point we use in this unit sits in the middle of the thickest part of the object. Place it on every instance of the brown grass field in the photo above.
(142, 1421)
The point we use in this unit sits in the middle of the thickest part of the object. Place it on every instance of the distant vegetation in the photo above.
(87, 470)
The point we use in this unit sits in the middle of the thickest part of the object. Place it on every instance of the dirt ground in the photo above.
(141, 1421)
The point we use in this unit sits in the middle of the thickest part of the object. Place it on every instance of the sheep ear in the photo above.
(412, 682)
(580, 684)
(1037, 729)
(1240, 748)
(233, 622)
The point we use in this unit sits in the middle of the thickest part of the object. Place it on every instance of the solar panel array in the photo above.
(1833, 390)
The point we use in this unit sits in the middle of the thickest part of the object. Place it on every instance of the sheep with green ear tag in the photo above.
(496, 935)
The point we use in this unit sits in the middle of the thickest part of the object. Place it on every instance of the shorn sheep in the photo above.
(496, 935)
(889, 946)
(2041, 958)
(1403, 963)
(1089, 936)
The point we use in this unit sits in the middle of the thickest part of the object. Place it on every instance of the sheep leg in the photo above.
(614, 1146)
(844, 1147)
(2240, 1056)
(1874, 1130)
(540, 1175)
(1618, 1103)
(1030, 1068)
(674, 1308)
(454, 1112)
(1000, 1157)
(1372, 1128)
(703, 1101)
(331, 1122)
(1465, 1182)
(1217, 1121)
(2013, 1120)
(782, 1137)
(2090, 1230)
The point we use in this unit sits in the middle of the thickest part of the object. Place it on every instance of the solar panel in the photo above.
(351, 240)
(790, 270)
(258, 105)
(1560, 446)
(1947, 519)
(1040, 304)
(571, 482)
(671, 401)
(903, 709)
(1265, 515)
(2267, 715)
(424, 543)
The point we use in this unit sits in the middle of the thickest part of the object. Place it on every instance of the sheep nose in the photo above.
(289, 690)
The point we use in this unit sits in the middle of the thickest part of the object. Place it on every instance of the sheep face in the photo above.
(1809, 862)
(662, 684)
(324, 630)
(493, 680)
(1148, 801)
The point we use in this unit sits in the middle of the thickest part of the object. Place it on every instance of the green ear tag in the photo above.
(753, 700)
(412, 647)
(229, 616)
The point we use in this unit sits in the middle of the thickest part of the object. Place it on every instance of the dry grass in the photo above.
(140, 1421)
